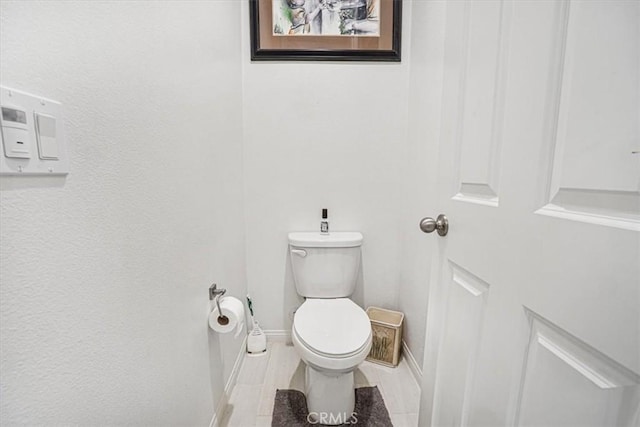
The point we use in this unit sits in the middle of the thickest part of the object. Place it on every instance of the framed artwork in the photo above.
(330, 30)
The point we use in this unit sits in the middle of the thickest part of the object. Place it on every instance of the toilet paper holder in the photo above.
(215, 294)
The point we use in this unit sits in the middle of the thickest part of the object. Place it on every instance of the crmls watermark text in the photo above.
(331, 418)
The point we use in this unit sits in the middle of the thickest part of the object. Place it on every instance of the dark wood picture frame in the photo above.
(268, 47)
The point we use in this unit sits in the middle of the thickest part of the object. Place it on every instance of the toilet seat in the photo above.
(332, 333)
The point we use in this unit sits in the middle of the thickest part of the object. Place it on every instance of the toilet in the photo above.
(331, 333)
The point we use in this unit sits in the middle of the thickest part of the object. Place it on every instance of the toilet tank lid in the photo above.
(335, 239)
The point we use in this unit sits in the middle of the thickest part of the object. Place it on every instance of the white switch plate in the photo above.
(47, 148)
(46, 134)
(16, 142)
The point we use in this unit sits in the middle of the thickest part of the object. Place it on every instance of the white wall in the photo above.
(104, 275)
(361, 140)
(421, 166)
(323, 135)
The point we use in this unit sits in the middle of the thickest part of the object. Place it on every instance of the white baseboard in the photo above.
(278, 335)
(413, 365)
(231, 382)
(228, 388)
(219, 412)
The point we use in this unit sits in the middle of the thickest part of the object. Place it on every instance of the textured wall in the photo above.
(104, 274)
(323, 135)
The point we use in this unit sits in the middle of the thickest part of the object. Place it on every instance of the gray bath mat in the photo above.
(290, 409)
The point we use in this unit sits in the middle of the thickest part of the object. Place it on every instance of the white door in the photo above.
(534, 310)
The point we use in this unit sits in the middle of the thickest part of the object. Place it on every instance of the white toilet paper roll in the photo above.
(233, 309)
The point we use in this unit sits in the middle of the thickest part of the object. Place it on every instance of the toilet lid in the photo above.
(335, 326)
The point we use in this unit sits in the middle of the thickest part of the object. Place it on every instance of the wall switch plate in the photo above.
(33, 139)
(46, 134)
(16, 142)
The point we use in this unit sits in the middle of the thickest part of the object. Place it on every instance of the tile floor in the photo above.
(251, 401)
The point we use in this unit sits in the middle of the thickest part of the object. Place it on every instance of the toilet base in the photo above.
(331, 396)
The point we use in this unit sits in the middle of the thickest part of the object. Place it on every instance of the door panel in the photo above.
(595, 176)
(466, 301)
(534, 308)
(481, 103)
(583, 386)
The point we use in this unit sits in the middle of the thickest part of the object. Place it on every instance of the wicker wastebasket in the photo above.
(386, 327)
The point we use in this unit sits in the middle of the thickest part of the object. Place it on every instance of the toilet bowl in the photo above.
(330, 332)
(332, 336)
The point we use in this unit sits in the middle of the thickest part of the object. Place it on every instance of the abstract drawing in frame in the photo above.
(335, 30)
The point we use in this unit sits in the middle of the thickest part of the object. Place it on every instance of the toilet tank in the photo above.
(325, 265)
